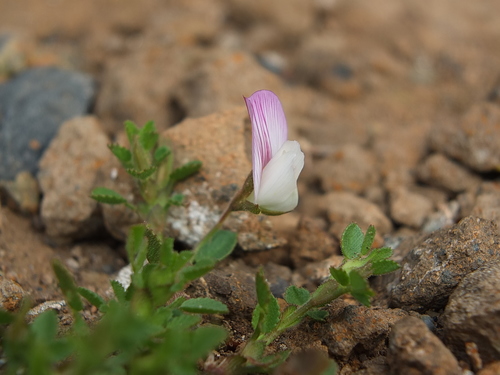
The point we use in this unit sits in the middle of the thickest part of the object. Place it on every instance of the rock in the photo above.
(211, 87)
(279, 278)
(487, 206)
(350, 328)
(23, 194)
(491, 369)
(32, 107)
(131, 88)
(472, 314)
(344, 208)
(409, 208)
(221, 142)
(433, 268)
(12, 59)
(311, 242)
(66, 182)
(437, 170)
(350, 168)
(11, 294)
(413, 349)
(474, 140)
(319, 272)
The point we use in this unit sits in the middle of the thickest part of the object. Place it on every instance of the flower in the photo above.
(277, 162)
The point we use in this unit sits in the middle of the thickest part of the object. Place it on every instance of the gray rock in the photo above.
(433, 268)
(32, 107)
(474, 140)
(68, 172)
(413, 349)
(473, 314)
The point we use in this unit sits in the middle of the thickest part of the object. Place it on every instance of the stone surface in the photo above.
(344, 208)
(437, 170)
(350, 168)
(211, 87)
(409, 208)
(473, 313)
(413, 349)
(487, 206)
(11, 294)
(349, 328)
(221, 142)
(22, 194)
(68, 173)
(474, 139)
(12, 59)
(433, 268)
(32, 107)
(311, 242)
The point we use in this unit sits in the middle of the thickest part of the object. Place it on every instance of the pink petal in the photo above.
(269, 130)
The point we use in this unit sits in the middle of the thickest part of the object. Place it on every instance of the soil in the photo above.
(396, 106)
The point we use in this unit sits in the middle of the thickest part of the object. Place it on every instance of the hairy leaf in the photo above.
(67, 285)
(352, 240)
(368, 240)
(185, 171)
(161, 153)
(218, 247)
(318, 314)
(340, 275)
(122, 153)
(384, 266)
(296, 296)
(268, 304)
(105, 195)
(94, 298)
(204, 306)
(143, 174)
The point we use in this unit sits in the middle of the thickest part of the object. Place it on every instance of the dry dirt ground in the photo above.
(396, 105)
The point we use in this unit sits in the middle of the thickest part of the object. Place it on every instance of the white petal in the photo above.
(278, 188)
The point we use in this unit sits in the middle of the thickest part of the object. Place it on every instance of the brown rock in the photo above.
(474, 140)
(473, 313)
(211, 87)
(11, 294)
(437, 170)
(492, 369)
(433, 268)
(68, 171)
(344, 208)
(23, 194)
(349, 327)
(487, 206)
(311, 242)
(413, 349)
(350, 168)
(409, 208)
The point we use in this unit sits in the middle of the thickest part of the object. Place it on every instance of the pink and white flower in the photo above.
(277, 162)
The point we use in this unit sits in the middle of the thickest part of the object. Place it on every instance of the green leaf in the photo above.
(379, 254)
(105, 195)
(67, 285)
(384, 266)
(368, 240)
(161, 153)
(119, 291)
(352, 240)
(195, 271)
(94, 298)
(154, 246)
(360, 289)
(45, 325)
(132, 130)
(184, 321)
(167, 251)
(185, 171)
(122, 153)
(148, 136)
(296, 296)
(6, 317)
(136, 246)
(268, 304)
(206, 339)
(143, 174)
(176, 199)
(319, 315)
(340, 275)
(204, 306)
(218, 247)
